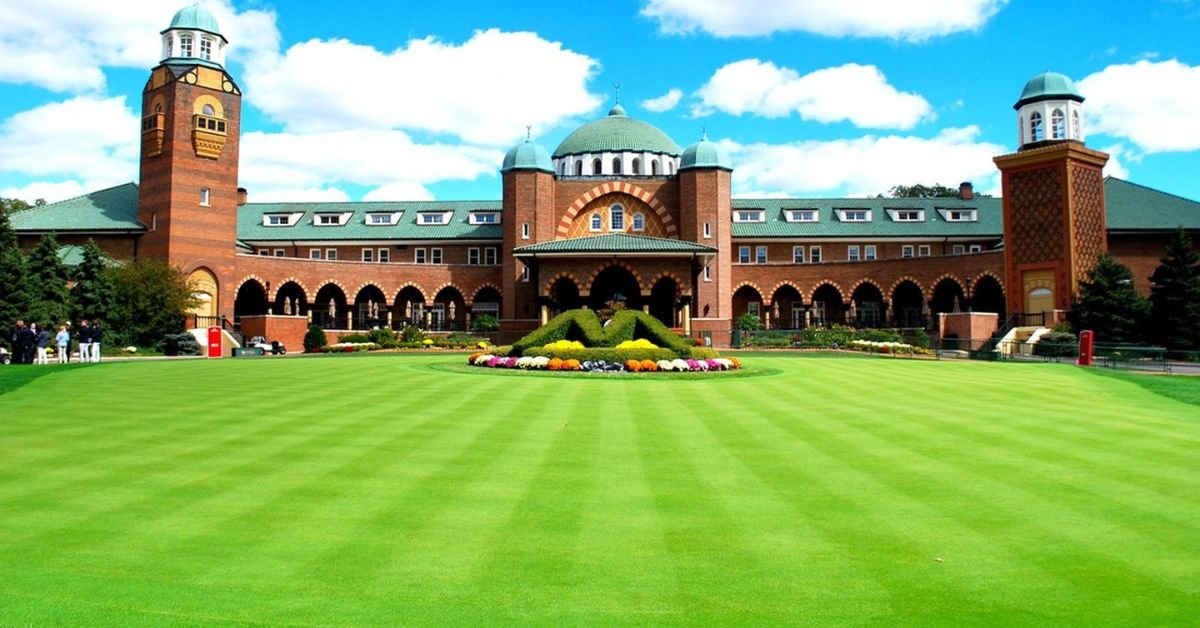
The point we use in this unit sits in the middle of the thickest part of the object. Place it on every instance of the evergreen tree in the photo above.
(93, 291)
(1175, 295)
(47, 283)
(150, 299)
(14, 295)
(1108, 304)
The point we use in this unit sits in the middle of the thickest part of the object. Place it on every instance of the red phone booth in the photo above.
(214, 342)
(1086, 341)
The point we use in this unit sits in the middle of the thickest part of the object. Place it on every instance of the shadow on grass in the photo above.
(1185, 388)
(14, 376)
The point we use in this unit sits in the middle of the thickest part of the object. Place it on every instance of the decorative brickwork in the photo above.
(1088, 226)
(646, 197)
(1036, 222)
(581, 226)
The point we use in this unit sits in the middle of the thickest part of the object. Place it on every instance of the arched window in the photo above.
(597, 222)
(1075, 131)
(637, 166)
(639, 222)
(579, 168)
(654, 166)
(616, 218)
(616, 165)
(185, 45)
(158, 107)
(1036, 133)
(208, 110)
(670, 167)
(1058, 126)
(595, 166)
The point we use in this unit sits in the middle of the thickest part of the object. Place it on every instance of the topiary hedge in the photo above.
(607, 354)
(585, 327)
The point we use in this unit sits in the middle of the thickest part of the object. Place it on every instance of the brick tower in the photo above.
(706, 217)
(1053, 187)
(528, 218)
(188, 196)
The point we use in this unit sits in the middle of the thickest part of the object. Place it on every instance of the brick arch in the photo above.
(262, 282)
(865, 280)
(786, 282)
(617, 187)
(550, 284)
(408, 284)
(335, 282)
(449, 284)
(366, 283)
(836, 286)
(933, 284)
(470, 300)
(750, 284)
(609, 264)
(653, 280)
(896, 284)
(988, 273)
(275, 292)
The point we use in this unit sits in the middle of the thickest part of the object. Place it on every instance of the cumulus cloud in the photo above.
(1152, 105)
(483, 91)
(1117, 154)
(863, 166)
(49, 191)
(859, 94)
(913, 20)
(666, 102)
(63, 45)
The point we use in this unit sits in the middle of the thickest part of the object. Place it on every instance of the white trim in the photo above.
(388, 219)
(331, 219)
(845, 215)
(959, 214)
(801, 215)
(906, 214)
(749, 215)
(495, 217)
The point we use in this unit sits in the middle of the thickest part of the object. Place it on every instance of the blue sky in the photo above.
(390, 101)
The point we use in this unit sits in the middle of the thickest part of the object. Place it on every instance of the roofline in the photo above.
(616, 253)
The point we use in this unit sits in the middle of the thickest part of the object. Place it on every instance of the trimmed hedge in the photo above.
(584, 326)
(607, 354)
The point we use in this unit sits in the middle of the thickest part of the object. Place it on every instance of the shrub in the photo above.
(748, 322)
(355, 338)
(314, 339)
(584, 326)
(1056, 344)
(485, 323)
(704, 353)
(383, 337)
(411, 333)
(179, 344)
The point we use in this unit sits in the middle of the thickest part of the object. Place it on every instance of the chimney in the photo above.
(966, 191)
(241, 196)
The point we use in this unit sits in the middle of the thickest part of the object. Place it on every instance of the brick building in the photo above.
(617, 211)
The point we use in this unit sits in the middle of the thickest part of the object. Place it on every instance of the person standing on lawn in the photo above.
(43, 343)
(63, 340)
(18, 338)
(85, 340)
(97, 331)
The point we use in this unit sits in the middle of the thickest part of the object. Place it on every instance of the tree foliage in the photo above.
(150, 299)
(47, 276)
(1108, 304)
(92, 293)
(14, 294)
(12, 205)
(1175, 295)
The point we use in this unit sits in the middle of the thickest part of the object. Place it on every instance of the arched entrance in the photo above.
(615, 284)
(947, 297)
(866, 305)
(787, 308)
(487, 301)
(251, 300)
(747, 300)
(988, 296)
(329, 308)
(827, 306)
(564, 295)
(663, 297)
(408, 308)
(370, 308)
(290, 300)
(449, 310)
(203, 284)
(908, 305)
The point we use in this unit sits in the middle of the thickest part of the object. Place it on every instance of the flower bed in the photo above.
(349, 347)
(545, 363)
(871, 346)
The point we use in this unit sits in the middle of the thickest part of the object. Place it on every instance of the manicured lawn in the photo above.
(389, 490)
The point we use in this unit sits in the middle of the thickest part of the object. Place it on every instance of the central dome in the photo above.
(195, 17)
(1048, 85)
(617, 133)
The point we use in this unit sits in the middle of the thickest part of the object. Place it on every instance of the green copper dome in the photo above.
(195, 18)
(704, 154)
(617, 133)
(527, 156)
(1046, 86)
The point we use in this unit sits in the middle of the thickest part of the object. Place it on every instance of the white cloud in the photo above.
(1115, 167)
(49, 191)
(856, 93)
(485, 90)
(864, 166)
(62, 45)
(666, 102)
(1153, 105)
(912, 20)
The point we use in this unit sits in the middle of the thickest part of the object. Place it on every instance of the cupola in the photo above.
(527, 156)
(1050, 110)
(194, 38)
(704, 154)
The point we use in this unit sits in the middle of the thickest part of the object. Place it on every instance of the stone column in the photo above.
(687, 320)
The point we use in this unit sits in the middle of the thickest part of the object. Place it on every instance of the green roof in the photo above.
(617, 133)
(1048, 85)
(1133, 207)
(458, 227)
(988, 223)
(71, 255)
(114, 209)
(197, 18)
(704, 154)
(527, 156)
(615, 243)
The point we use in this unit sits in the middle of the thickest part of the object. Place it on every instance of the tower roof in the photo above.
(1048, 85)
(527, 156)
(617, 132)
(195, 17)
(704, 154)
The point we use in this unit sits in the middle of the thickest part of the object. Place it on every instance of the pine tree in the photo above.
(1175, 295)
(47, 283)
(1108, 304)
(92, 294)
(14, 295)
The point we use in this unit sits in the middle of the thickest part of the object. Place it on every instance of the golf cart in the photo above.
(268, 347)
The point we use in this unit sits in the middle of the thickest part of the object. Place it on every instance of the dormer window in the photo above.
(800, 215)
(485, 218)
(433, 218)
(959, 215)
(907, 215)
(749, 215)
(330, 219)
(854, 215)
(378, 219)
(281, 220)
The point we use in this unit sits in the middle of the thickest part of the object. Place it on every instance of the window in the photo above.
(616, 165)
(907, 215)
(616, 218)
(639, 222)
(384, 256)
(958, 249)
(596, 222)
(327, 220)
(524, 273)
(314, 254)
(754, 307)
(205, 195)
(277, 220)
(797, 254)
(869, 252)
(473, 256)
(206, 48)
(637, 166)
(185, 45)
(579, 168)
(654, 166)
(154, 221)
(331, 254)
(906, 251)
(959, 215)
(368, 255)
(491, 256)
(485, 218)
(279, 252)
(854, 215)
(596, 166)
(801, 215)
(707, 230)
(852, 253)
(707, 273)
(760, 254)
(383, 218)
(1058, 125)
(814, 254)
(264, 252)
(1076, 133)
(525, 231)
(433, 218)
(923, 250)
(976, 248)
(419, 256)
(435, 256)
(1036, 133)
(743, 255)
(749, 215)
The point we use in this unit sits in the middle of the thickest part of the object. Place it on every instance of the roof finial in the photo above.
(703, 133)
(528, 132)
(617, 87)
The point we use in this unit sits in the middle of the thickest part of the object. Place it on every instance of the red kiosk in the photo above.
(214, 342)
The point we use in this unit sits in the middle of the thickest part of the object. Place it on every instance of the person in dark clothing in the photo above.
(28, 343)
(18, 339)
(43, 343)
(97, 332)
(85, 340)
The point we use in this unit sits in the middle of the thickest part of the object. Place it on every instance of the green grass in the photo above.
(395, 490)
